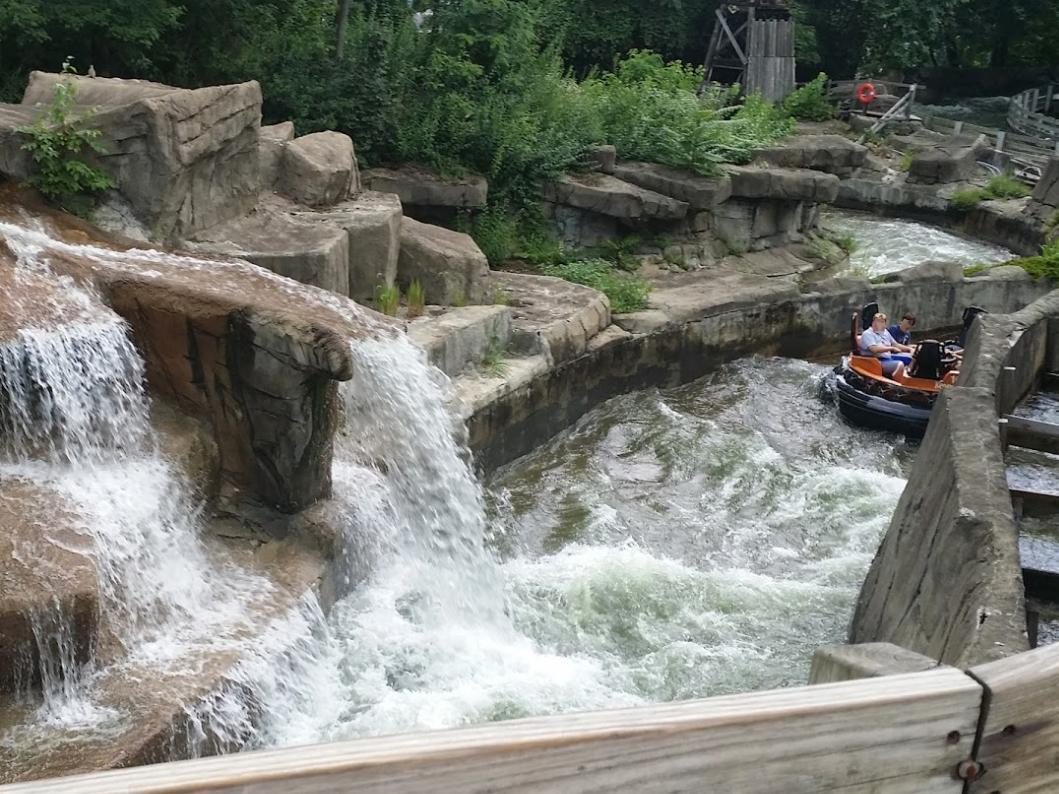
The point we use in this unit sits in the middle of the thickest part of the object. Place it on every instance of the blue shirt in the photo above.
(902, 337)
(869, 338)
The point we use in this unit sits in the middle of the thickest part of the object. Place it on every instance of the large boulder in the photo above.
(425, 194)
(312, 253)
(272, 142)
(785, 184)
(449, 265)
(608, 195)
(950, 272)
(832, 154)
(699, 192)
(319, 169)
(184, 158)
(372, 222)
(954, 161)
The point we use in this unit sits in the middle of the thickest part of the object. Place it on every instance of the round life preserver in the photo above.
(865, 93)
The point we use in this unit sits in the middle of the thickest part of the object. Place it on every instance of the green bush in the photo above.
(967, 200)
(627, 293)
(1005, 186)
(1046, 265)
(56, 141)
(416, 300)
(810, 102)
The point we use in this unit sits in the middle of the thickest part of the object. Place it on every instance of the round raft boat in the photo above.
(900, 403)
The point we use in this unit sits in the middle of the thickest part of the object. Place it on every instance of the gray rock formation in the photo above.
(449, 265)
(426, 195)
(1046, 191)
(319, 169)
(953, 161)
(928, 271)
(372, 222)
(785, 184)
(602, 158)
(460, 338)
(832, 154)
(610, 196)
(699, 192)
(184, 159)
(272, 141)
(312, 253)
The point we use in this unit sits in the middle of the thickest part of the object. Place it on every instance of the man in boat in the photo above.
(876, 341)
(902, 331)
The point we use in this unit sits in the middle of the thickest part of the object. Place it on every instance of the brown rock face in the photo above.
(47, 576)
(255, 354)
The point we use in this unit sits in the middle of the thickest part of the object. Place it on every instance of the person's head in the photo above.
(878, 322)
(908, 322)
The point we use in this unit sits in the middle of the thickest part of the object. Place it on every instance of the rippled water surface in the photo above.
(886, 245)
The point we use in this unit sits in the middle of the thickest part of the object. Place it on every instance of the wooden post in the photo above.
(957, 128)
(1034, 98)
(1000, 136)
(908, 107)
(1048, 98)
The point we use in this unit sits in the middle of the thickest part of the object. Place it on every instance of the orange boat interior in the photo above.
(869, 367)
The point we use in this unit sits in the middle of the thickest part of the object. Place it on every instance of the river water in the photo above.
(673, 544)
(886, 245)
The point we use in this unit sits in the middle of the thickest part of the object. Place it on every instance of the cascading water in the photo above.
(887, 245)
(74, 423)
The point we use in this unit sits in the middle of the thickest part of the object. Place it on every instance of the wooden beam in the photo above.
(1020, 730)
(1032, 434)
(894, 735)
(1034, 504)
(731, 38)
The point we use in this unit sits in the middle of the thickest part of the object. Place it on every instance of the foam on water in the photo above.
(886, 245)
(74, 420)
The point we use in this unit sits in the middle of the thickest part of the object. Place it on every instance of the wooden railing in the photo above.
(1028, 113)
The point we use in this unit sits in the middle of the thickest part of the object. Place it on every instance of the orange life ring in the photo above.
(865, 93)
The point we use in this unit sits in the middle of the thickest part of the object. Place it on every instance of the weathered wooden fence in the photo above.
(1028, 113)
(905, 734)
(770, 58)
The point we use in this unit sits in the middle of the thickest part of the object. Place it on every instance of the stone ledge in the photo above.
(459, 338)
(610, 196)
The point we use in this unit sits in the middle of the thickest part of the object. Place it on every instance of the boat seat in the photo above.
(950, 377)
(868, 365)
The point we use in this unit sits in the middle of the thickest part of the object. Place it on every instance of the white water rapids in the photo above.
(672, 545)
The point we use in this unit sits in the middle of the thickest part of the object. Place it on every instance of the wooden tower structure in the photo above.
(753, 45)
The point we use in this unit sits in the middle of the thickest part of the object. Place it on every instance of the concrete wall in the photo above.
(810, 325)
(947, 580)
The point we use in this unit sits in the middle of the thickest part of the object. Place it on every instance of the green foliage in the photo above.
(975, 270)
(387, 299)
(651, 111)
(493, 362)
(57, 140)
(415, 300)
(967, 200)
(1053, 221)
(497, 232)
(1046, 265)
(810, 102)
(1005, 186)
(906, 160)
(500, 297)
(847, 242)
(627, 293)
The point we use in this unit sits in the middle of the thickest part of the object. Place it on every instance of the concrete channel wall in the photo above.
(807, 325)
(947, 579)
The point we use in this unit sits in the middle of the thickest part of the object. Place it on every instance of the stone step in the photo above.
(458, 339)
(552, 316)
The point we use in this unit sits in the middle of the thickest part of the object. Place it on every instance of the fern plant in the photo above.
(56, 141)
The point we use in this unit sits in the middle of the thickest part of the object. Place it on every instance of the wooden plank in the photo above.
(1032, 434)
(1019, 744)
(731, 38)
(1034, 504)
(902, 734)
